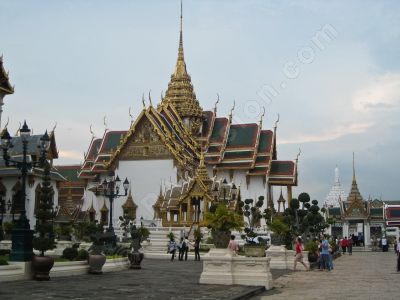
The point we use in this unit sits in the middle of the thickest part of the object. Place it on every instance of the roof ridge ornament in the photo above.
(297, 156)
(276, 122)
(91, 131)
(54, 127)
(215, 105)
(262, 116)
(130, 115)
(105, 123)
(151, 104)
(231, 112)
(144, 104)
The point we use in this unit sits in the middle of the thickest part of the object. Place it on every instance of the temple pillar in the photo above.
(367, 234)
(289, 195)
(345, 229)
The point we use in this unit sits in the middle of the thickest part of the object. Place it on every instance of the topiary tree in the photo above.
(251, 212)
(304, 198)
(44, 232)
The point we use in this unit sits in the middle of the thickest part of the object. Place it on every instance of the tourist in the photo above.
(398, 255)
(197, 249)
(233, 245)
(181, 249)
(385, 246)
(298, 257)
(325, 254)
(172, 248)
(350, 245)
(186, 247)
(374, 243)
(344, 245)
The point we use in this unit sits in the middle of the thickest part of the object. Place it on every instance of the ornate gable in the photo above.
(144, 143)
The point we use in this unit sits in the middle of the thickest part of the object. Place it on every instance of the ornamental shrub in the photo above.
(70, 253)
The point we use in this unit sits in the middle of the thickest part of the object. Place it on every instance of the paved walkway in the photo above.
(158, 279)
(364, 275)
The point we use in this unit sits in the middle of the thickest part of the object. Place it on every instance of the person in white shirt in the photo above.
(398, 255)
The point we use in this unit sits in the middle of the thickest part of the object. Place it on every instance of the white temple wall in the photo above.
(9, 183)
(145, 177)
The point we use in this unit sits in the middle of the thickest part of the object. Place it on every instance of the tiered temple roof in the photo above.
(5, 86)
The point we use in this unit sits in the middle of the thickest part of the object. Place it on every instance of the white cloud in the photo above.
(332, 134)
(382, 93)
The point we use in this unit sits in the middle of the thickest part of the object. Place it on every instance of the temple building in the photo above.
(186, 153)
(336, 194)
(365, 218)
(5, 86)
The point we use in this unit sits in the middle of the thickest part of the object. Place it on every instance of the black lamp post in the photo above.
(2, 211)
(111, 190)
(21, 249)
(224, 184)
(234, 191)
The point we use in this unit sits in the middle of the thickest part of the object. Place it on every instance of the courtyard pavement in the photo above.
(364, 275)
(158, 279)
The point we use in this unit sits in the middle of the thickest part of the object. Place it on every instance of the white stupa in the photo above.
(336, 194)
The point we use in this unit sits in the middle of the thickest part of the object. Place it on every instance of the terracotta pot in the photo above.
(96, 262)
(41, 266)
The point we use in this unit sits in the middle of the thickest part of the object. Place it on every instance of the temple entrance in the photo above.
(356, 230)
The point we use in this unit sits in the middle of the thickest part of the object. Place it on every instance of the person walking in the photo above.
(298, 257)
(172, 247)
(385, 246)
(197, 249)
(350, 245)
(344, 245)
(233, 245)
(186, 247)
(325, 254)
(181, 247)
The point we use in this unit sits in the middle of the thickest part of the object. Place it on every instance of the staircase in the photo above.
(158, 241)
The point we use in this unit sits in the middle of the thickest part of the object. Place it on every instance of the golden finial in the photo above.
(91, 131)
(105, 124)
(354, 170)
(215, 106)
(19, 127)
(162, 95)
(151, 104)
(231, 112)
(298, 154)
(276, 122)
(144, 104)
(262, 116)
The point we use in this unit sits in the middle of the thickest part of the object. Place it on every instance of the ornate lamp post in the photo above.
(224, 184)
(2, 211)
(22, 235)
(234, 191)
(111, 190)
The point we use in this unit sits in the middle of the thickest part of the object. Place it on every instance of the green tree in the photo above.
(304, 198)
(251, 210)
(44, 237)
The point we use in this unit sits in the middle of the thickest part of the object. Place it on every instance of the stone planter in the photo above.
(96, 263)
(41, 266)
(254, 250)
(222, 266)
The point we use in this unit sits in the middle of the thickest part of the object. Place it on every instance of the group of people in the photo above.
(347, 244)
(183, 248)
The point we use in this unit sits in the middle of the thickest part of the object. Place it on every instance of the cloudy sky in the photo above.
(330, 70)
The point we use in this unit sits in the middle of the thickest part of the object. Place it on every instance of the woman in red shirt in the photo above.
(299, 255)
(344, 245)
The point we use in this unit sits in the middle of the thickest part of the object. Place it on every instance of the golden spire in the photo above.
(354, 170)
(180, 89)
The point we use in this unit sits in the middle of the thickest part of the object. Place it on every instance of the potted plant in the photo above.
(138, 236)
(221, 222)
(64, 232)
(251, 212)
(96, 258)
(312, 248)
(44, 233)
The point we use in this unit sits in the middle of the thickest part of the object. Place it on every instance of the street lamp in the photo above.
(234, 191)
(111, 190)
(22, 235)
(2, 211)
(224, 184)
